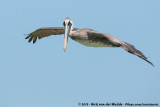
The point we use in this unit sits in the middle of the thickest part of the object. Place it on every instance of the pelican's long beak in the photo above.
(66, 34)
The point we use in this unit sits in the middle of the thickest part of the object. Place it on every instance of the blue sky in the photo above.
(43, 75)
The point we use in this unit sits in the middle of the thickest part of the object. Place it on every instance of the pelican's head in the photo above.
(69, 22)
(68, 26)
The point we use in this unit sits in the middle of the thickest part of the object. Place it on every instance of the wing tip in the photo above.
(34, 42)
(131, 49)
(27, 36)
(150, 63)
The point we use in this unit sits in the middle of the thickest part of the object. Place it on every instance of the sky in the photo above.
(43, 75)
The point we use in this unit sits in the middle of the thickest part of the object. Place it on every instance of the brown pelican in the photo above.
(86, 37)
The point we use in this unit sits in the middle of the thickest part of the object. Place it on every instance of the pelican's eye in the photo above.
(69, 23)
(64, 23)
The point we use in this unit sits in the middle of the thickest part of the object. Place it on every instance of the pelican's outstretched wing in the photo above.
(44, 32)
(126, 46)
(131, 49)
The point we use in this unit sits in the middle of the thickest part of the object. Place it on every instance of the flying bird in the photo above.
(87, 37)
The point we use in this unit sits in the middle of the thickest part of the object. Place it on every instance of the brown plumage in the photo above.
(131, 49)
(86, 37)
(44, 32)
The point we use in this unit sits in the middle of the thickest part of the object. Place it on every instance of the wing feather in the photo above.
(126, 46)
(30, 39)
(131, 49)
(44, 32)
(27, 37)
(35, 38)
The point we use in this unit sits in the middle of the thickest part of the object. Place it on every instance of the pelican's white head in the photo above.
(68, 26)
(69, 22)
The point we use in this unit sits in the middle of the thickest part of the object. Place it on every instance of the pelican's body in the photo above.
(86, 37)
